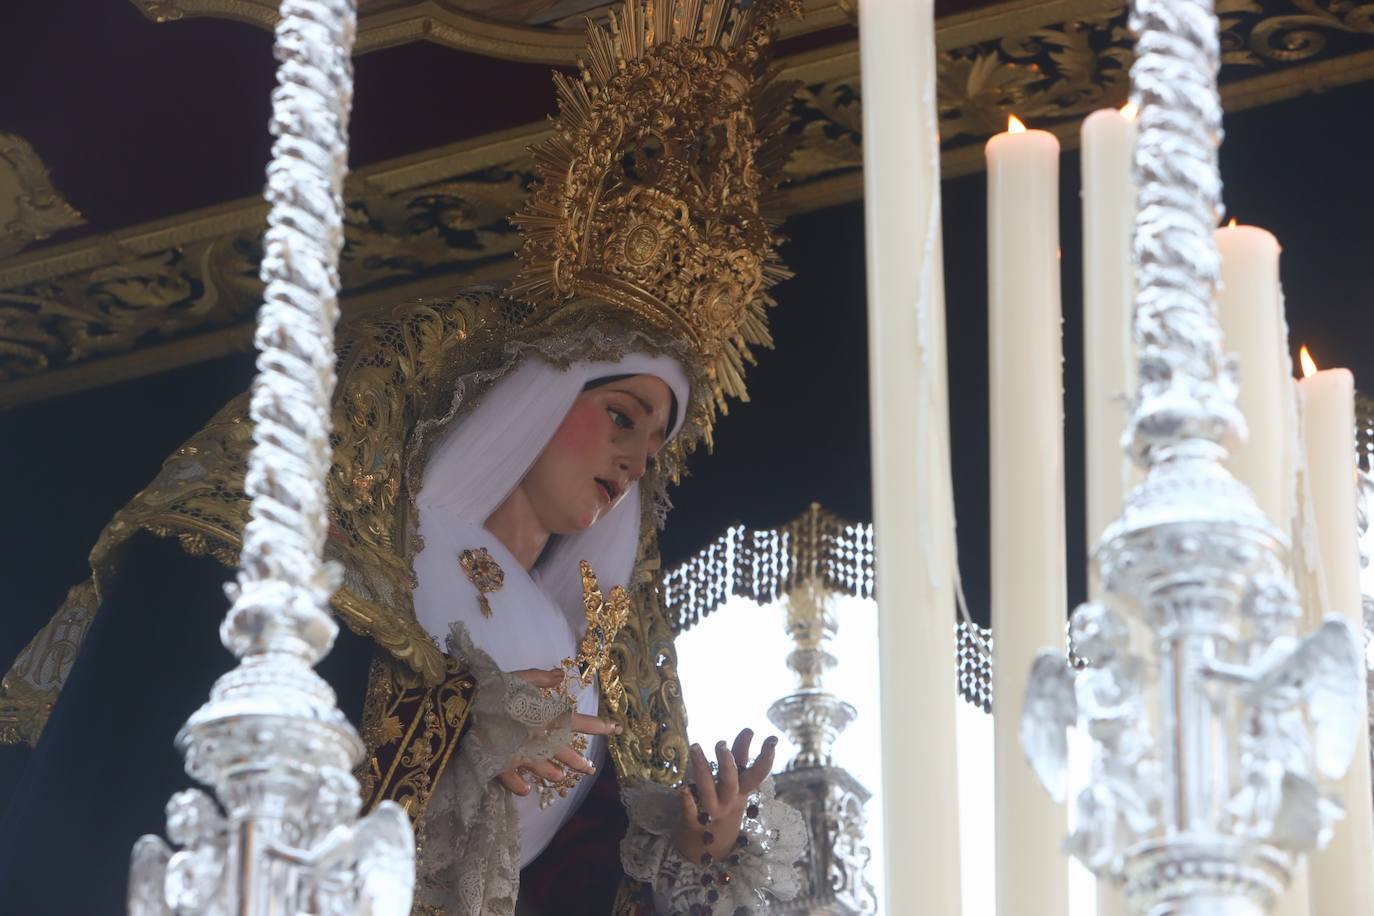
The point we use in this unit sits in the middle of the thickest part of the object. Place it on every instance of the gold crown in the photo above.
(651, 193)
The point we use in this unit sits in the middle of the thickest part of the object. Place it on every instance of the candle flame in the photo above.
(1129, 111)
(1014, 125)
(1232, 223)
(1309, 365)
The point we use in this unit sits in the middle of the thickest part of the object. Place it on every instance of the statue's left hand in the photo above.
(711, 820)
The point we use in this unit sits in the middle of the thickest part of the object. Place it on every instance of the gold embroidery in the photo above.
(484, 573)
(410, 731)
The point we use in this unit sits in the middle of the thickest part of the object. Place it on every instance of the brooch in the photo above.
(484, 573)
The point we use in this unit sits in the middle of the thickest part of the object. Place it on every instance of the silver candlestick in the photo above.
(829, 797)
(283, 837)
(1212, 750)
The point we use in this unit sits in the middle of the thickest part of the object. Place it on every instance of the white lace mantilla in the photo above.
(764, 867)
(470, 833)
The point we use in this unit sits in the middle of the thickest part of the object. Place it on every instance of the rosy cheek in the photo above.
(580, 432)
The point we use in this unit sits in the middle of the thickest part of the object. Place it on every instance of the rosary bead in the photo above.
(708, 838)
(712, 895)
(706, 880)
(752, 811)
(703, 818)
(706, 858)
(741, 841)
(733, 860)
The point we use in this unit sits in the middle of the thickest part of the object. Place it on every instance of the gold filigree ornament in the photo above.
(605, 618)
(484, 573)
(652, 195)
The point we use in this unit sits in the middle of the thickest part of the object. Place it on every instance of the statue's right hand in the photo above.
(566, 758)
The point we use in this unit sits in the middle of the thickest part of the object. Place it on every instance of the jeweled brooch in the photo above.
(484, 573)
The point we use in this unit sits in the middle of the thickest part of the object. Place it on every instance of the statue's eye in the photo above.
(620, 419)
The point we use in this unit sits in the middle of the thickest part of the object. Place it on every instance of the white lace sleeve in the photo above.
(762, 865)
(469, 861)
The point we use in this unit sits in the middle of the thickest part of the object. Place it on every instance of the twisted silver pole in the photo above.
(284, 837)
(1213, 751)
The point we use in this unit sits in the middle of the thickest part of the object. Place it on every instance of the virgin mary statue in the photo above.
(499, 475)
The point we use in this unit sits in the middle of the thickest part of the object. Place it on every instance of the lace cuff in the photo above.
(469, 863)
(761, 868)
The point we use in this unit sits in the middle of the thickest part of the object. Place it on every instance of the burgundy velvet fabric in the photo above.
(579, 872)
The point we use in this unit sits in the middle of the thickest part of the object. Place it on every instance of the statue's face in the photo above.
(603, 445)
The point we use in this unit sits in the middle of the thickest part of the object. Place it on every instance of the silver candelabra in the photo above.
(1213, 750)
(281, 835)
(829, 797)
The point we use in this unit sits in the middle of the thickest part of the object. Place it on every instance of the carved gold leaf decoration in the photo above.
(428, 225)
(204, 275)
(30, 207)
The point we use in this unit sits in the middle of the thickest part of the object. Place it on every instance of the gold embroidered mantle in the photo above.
(403, 376)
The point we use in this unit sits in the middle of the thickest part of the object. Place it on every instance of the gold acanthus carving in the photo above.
(30, 207)
(512, 31)
(134, 297)
(436, 221)
(1257, 34)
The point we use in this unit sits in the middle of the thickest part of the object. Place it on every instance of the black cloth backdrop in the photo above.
(106, 765)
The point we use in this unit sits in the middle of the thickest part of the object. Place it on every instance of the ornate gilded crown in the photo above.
(652, 191)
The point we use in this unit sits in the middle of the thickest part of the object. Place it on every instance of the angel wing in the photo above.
(386, 870)
(1048, 709)
(1327, 670)
(147, 877)
(377, 854)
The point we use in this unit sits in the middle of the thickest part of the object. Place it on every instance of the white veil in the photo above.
(486, 454)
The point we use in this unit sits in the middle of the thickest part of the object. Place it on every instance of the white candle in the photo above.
(1250, 309)
(1342, 875)
(1109, 196)
(1108, 306)
(1027, 495)
(913, 515)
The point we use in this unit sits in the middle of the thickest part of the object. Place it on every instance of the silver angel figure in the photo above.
(1288, 686)
(190, 880)
(1105, 699)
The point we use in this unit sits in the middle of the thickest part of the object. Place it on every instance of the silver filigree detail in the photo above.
(829, 798)
(1214, 753)
(284, 835)
(1106, 699)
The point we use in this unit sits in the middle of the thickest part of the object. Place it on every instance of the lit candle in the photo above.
(1108, 304)
(1342, 875)
(913, 507)
(1029, 596)
(1250, 309)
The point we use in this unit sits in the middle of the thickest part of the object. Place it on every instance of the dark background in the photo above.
(139, 121)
